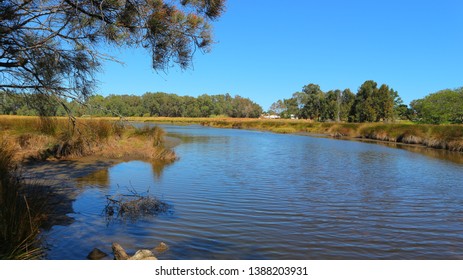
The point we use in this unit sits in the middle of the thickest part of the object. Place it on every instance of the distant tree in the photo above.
(444, 106)
(96, 106)
(205, 105)
(53, 47)
(333, 101)
(277, 107)
(292, 109)
(347, 101)
(383, 100)
(10, 103)
(245, 108)
(403, 112)
(314, 99)
(364, 107)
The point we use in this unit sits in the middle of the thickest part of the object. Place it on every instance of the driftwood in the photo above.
(121, 254)
(134, 206)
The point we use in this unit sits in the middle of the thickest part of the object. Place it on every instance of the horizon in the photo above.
(266, 52)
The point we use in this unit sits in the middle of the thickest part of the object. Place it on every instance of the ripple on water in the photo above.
(251, 195)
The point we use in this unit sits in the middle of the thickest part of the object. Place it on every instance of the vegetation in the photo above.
(444, 106)
(37, 138)
(20, 217)
(370, 104)
(150, 104)
(53, 47)
(449, 137)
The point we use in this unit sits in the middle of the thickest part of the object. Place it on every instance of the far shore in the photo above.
(441, 137)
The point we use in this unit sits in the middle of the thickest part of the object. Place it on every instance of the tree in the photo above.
(244, 108)
(332, 110)
(314, 100)
(444, 106)
(383, 100)
(364, 108)
(277, 107)
(53, 47)
(347, 101)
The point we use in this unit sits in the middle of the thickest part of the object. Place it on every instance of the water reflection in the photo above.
(98, 178)
(245, 194)
(102, 178)
(456, 157)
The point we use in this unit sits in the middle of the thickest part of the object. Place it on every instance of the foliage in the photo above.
(444, 106)
(370, 104)
(149, 104)
(53, 47)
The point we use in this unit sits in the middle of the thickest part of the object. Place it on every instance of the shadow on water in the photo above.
(63, 184)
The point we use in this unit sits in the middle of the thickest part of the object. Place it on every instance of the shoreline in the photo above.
(436, 137)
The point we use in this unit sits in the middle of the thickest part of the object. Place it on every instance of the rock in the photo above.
(96, 254)
(143, 255)
(119, 252)
(161, 248)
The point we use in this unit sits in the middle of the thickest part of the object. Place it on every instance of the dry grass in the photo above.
(59, 138)
(20, 216)
(449, 137)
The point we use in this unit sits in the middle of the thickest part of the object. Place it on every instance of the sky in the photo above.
(268, 49)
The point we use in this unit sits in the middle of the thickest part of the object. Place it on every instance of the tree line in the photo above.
(157, 104)
(370, 104)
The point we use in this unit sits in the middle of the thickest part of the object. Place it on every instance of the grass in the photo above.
(60, 138)
(20, 216)
(33, 138)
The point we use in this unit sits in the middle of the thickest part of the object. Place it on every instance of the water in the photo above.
(240, 194)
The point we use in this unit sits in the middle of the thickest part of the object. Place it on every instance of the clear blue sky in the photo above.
(268, 49)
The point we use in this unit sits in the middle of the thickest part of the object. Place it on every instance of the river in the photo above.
(239, 194)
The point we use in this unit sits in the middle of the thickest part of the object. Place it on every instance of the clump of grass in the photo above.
(19, 218)
(47, 125)
(154, 133)
(344, 130)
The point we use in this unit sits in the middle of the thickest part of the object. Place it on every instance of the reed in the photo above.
(20, 216)
(449, 137)
(62, 138)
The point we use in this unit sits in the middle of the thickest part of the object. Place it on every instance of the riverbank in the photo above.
(33, 196)
(39, 139)
(447, 137)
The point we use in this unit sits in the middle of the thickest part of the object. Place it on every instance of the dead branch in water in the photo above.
(134, 206)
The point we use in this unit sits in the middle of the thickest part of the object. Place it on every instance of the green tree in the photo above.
(383, 100)
(277, 107)
(332, 108)
(444, 106)
(347, 102)
(314, 99)
(364, 107)
(53, 47)
(244, 108)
